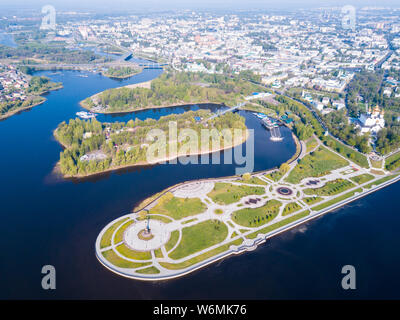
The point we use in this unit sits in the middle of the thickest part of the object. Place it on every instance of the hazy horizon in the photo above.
(101, 5)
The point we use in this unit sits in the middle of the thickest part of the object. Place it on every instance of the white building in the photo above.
(372, 121)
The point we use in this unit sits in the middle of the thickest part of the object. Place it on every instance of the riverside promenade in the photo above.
(162, 259)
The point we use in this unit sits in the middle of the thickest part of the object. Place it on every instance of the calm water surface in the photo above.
(46, 220)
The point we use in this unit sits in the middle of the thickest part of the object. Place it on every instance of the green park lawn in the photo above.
(311, 144)
(336, 200)
(226, 193)
(256, 217)
(279, 224)
(376, 164)
(119, 235)
(198, 237)
(290, 208)
(347, 152)
(380, 181)
(254, 180)
(274, 176)
(173, 239)
(132, 254)
(178, 208)
(362, 178)
(311, 200)
(149, 270)
(316, 164)
(106, 238)
(393, 162)
(331, 188)
(201, 257)
(116, 260)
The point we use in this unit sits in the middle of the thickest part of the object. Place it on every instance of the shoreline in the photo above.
(178, 104)
(11, 113)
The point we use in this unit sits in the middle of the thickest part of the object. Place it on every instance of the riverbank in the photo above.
(43, 100)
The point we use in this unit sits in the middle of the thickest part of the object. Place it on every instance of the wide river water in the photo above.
(48, 220)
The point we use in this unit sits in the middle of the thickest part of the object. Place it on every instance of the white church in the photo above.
(372, 121)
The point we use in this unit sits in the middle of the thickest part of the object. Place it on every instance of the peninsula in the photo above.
(194, 224)
(172, 88)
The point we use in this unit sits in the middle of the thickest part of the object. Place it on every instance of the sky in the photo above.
(114, 5)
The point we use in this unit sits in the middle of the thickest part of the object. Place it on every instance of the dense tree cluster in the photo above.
(175, 88)
(126, 143)
(339, 127)
(50, 52)
(364, 88)
(301, 111)
(121, 72)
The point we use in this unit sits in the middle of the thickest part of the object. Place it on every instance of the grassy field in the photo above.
(279, 224)
(158, 253)
(173, 239)
(376, 164)
(132, 254)
(290, 208)
(149, 270)
(336, 200)
(311, 200)
(274, 176)
(119, 235)
(249, 217)
(226, 193)
(155, 217)
(200, 236)
(311, 144)
(331, 188)
(178, 208)
(380, 181)
(106, 238)
(393, 162)
(316, 164)
(112, 257)
(362, 178)
(201, 257)
(254, 180)
(347, 152)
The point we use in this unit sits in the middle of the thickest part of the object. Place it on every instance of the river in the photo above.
(48, 220)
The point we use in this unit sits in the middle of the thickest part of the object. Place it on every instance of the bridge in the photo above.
(220, 113)
(152, 65)
(126, 56)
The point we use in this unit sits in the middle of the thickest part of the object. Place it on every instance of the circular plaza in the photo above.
(139, 237)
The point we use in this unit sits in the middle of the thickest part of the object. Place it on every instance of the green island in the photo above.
(121, 72)
(93, 147)
(210, 219)
(172, 89)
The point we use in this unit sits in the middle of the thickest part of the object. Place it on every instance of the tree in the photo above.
(285, 167)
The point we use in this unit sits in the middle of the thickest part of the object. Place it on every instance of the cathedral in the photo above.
(372, 121)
